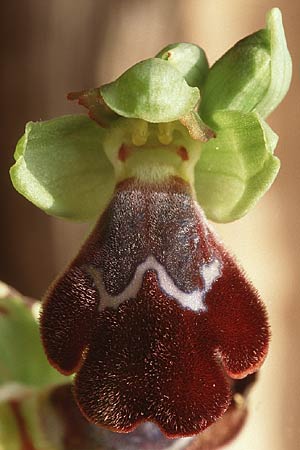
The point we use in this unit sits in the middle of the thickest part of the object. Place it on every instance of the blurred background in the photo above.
(49, 48)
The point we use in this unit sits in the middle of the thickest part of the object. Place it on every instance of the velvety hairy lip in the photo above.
(79, 434)
(154, 314)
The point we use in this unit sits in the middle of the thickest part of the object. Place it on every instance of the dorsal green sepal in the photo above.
(151, 90)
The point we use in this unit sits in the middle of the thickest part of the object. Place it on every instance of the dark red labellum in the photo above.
(154, 314)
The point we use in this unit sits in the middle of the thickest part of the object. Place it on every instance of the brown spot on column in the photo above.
(182, 152)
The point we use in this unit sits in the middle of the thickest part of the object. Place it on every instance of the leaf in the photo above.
(189, 59)
(22, 358)
(152, 90)
(253, 75)
(61, 167)
(236, 168)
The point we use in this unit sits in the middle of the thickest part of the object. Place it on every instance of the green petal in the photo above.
(22, 359)
(62, 168)
(236, 168)
(98, 110)
(253, 75)
(197, 129)
(189, 59)
(152, 90)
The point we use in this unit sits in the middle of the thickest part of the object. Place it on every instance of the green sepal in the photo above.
(152, 90)
(61, 167)
(281, 65)
(237, 167)
(189, 59)
(255, 74)
(22, 359)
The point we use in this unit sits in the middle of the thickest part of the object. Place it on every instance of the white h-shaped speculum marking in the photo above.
(194, 300)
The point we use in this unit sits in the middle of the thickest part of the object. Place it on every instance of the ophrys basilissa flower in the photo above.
(154, 313)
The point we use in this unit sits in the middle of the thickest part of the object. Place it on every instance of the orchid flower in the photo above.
(154, 315)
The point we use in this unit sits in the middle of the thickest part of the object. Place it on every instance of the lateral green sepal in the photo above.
(281, 65)
(61, 167)
(254, 75)
(237, 167)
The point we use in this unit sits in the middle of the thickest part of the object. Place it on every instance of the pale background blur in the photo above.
(51, 47)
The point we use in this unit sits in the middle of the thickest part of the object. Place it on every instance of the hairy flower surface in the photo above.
(154, 315)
